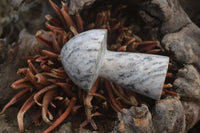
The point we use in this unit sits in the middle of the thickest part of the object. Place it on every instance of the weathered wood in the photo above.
(169, 116)
(134, 120)
(188, 83)
(192, 114)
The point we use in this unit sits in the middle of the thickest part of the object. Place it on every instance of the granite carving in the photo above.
(85, 57)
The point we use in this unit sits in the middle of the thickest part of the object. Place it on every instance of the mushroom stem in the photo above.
(142, 73)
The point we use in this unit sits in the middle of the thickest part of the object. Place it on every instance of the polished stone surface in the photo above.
(142, 73)
(85, 57)
(82, 56)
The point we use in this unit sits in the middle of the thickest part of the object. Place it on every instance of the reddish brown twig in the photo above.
(122, 48)
(48, 97)
(32, 67)
(170, 75)
(148, 47)
(98, 95)
(50, 54)
(21, 83)
(115, 27)
(59, 72)
(45, 67)
(121, 96)
(165, 86)
(21, 95)
(43, 40)
(88, 105)
(22, 71)
(32, 79)
(154, 51)
(37, 95)
(57, 10)
(53, 20)
(73, 30)
(80, 96)
(41, 59)
(55, 81)
(97, 114)
(79, 22)
(67, 88)
(69, 21)
(40, 79)
(75, 109)
(67, 18)
(166, 93)
(26, 106)
(55, 45)
(62, 117)
(54, 28)
(111, 97)
(53, 75)
(64, 5)
(132, 47)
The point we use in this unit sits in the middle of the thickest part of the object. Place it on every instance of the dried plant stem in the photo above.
(57, 10)
(88, 105)
(48, 97)
(121, 96)
(26, 106)
(22, 94)
(67, 88)
(37, 95)
(111, 97)
(21, 83)
(62, 117)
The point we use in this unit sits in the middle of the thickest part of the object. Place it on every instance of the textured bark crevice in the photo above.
(188, 83)
(181, 39)
(169, 116)
(184, 45)
(135, 119)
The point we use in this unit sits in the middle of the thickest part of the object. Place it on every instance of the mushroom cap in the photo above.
(82, 57)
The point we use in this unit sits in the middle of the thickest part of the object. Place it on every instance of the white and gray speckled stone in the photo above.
(85, 57)
(82, 57)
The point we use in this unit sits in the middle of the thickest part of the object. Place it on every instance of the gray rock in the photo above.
(9, 122)
(7, 76)
(8, 69)
(181, 40)
(2, 50)
(169, 12)
(192, 114)
(178, 18)
(191, 7)
(134, 120)
(76, 5)
(159, 9)
(65, 128)
(187, 83)
(169, 116)
(184, 44)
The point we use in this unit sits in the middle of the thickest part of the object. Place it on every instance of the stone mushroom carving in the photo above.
(85, 57)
